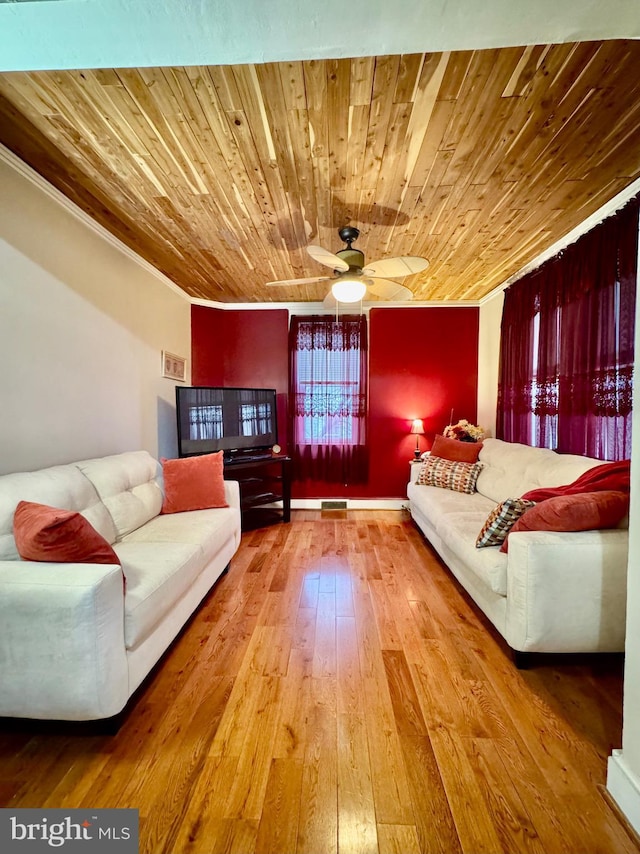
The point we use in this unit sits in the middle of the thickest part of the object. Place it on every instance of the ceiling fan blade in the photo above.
(329, 301)
(404, 265)
(385, 289)
(323, 256)
(299, 281)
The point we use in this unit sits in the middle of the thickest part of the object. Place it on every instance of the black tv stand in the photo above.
(263, 479)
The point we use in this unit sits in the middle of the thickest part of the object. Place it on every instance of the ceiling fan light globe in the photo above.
(349, 290)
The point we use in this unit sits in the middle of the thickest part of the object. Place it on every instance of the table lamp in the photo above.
(417, 427)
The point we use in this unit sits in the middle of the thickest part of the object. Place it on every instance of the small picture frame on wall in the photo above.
(174, 367)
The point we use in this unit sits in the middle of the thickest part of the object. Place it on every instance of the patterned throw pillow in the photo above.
(448, 474)
(500, 521)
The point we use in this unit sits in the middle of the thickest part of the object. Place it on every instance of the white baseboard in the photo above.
(624, 788)
(352, 503)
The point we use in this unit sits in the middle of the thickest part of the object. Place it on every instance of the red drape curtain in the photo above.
(328, 398)
(566, 365)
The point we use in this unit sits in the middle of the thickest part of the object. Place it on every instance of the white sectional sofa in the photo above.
(553, 591)
(75, 641)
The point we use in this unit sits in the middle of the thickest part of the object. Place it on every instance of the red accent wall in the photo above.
(207, 346)
(423, 362)
(242, 348)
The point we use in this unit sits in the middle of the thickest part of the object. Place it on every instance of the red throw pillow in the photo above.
(46, 533)
(453, 449)
(585, 511)
(193, 483)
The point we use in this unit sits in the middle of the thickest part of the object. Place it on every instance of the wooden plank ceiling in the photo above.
(220, 176)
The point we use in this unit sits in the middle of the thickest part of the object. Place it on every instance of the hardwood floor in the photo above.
(337, 692)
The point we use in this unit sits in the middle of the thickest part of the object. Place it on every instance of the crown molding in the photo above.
(23, 169)
(320, 308)
(609, 208)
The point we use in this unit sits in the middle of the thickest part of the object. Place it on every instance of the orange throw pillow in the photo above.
(585, 511)
(46, 533)
(193, 483)
(453, 449)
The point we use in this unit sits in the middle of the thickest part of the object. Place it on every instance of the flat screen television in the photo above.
(238, 421)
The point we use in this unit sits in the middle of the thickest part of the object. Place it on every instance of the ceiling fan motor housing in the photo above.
(353, 257)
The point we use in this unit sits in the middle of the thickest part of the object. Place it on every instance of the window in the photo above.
(329, 398)
(566, 355)
(544, 398)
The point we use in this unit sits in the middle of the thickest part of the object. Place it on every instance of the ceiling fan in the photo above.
(352, 279)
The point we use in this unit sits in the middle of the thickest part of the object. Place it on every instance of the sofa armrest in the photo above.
(566, 592)
(232, 493)
(62, 651)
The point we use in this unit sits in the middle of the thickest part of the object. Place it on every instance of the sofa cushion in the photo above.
(128, 486)
(454, 449)
(447, 474)
(193, 483)
(457, 531)
(585, 511)
(157, 575)
(511, 469)
(45, 533)
(500, 521)
(434, 503)
(57, 486)
(209, 529)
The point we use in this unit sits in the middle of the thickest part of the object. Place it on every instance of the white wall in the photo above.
(488, 361)
(82, 327)
(623, 775)
(115, 33)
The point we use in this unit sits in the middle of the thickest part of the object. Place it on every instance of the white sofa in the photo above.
(552, 592)
(75, 642)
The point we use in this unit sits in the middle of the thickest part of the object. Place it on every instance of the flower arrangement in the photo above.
(463, 431)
